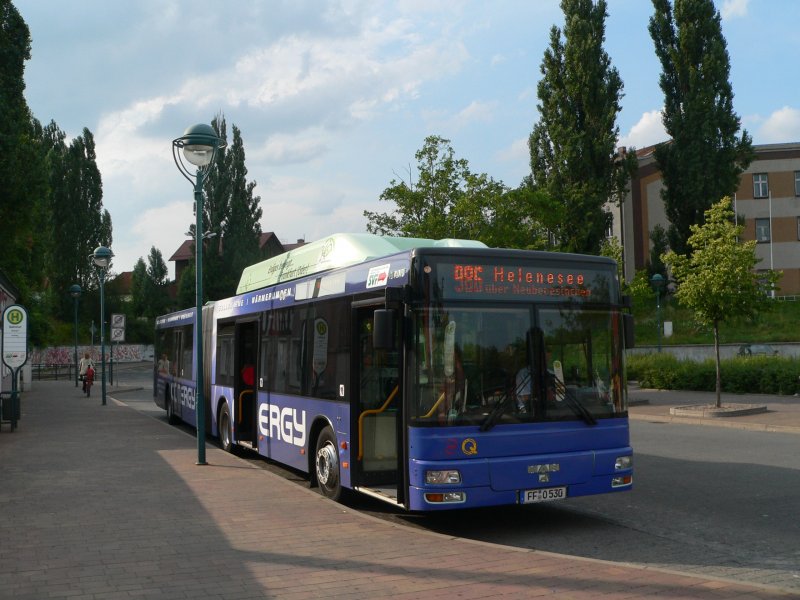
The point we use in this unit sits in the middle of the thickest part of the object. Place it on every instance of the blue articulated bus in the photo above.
(431, 374)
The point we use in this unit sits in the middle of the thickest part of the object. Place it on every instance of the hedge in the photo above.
(756, 375)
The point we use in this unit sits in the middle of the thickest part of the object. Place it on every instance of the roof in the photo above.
(184, 251)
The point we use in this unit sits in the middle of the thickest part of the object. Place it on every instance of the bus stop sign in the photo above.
(15, 337)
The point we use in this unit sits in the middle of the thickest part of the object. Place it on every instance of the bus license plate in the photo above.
(544, 495)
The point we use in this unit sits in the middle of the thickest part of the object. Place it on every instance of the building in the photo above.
(768, 198)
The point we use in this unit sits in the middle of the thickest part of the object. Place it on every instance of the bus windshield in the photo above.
(517, 364)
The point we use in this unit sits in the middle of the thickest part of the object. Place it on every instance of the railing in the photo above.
(43, 371)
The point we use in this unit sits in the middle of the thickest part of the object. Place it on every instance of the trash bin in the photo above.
(10, 411)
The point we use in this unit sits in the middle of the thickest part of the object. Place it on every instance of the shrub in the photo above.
(758, 375)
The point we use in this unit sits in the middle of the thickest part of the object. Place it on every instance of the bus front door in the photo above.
(378, 412)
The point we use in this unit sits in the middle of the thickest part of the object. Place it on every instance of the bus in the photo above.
(430, 374)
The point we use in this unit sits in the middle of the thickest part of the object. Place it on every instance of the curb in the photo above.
(715, 423)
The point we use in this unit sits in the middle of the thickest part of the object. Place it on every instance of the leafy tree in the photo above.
(704, 159)
(449, 200)
(573, 145)
(612, 248)
(149, 285)
(717, 281)
(79, 223)
(231, 218)
(425, 208)
(22, 169)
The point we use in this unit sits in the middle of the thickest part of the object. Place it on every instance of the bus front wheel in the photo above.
(327, 465)
(172, 418)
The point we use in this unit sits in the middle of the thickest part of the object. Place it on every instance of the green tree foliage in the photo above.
(22, 170)
(573, 146)
(149, 285)
(704, 159)
(717, 281)
(450, 201)
(79, 223)
(659, 247)
(231, 218)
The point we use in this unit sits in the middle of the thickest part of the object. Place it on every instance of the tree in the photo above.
(149, 285)
(22, 171)
(448, 200)
(231, 217)
(573, 146)
(704, 158)
(79, 223)
(717, 281)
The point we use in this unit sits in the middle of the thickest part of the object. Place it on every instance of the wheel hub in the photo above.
(327, 463)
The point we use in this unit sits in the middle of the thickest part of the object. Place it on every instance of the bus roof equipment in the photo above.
(337, 250)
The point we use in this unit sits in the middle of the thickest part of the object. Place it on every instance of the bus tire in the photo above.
(327, 465)
(225, 429)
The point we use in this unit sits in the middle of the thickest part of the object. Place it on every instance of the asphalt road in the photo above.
(707, 500)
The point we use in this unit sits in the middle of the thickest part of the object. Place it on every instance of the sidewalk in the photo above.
(782, 414)
(105, 502)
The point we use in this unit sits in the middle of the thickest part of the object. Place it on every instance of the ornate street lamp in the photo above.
(198, 145)
(102, 260)
(657, 282)
(75, 292)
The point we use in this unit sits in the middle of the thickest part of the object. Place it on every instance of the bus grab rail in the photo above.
(372, 411)
(434, 407)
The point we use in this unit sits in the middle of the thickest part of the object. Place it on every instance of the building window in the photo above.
(797, 183)
(798, 228)
(762, 230)
(760, 185)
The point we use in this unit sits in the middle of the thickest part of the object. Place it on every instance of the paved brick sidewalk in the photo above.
(104, 502)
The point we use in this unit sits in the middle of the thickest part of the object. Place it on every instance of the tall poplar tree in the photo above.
(231, 218)
(22, 170)
(573, 146)
(705, 157)
(79, 223)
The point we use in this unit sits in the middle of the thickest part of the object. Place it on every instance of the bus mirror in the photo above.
(383, 329)
(627, 325)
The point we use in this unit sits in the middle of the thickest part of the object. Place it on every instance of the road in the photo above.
(707, 500)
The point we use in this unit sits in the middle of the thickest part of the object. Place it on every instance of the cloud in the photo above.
(516, 152)
(781, 126)
(734, 8)
(648, 131)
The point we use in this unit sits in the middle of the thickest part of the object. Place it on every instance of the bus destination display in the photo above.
(461, 280)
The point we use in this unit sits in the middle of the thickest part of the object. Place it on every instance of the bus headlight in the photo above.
(443, 477)
(623, 462)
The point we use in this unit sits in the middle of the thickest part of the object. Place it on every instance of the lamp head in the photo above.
(102, 257)
(75, 290)
(657, 281)
(198, 144)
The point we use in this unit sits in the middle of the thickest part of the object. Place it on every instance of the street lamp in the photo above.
(657, 282)
(198, 145)
(102, 260)
(75, 292)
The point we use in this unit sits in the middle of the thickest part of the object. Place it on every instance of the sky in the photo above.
(334, 98)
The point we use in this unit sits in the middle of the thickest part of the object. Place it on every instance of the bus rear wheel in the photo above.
(225, 433)
(327, 465)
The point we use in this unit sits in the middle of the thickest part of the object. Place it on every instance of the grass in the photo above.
(778, 324)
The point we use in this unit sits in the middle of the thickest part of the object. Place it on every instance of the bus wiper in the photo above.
(497, 410)
(500, 406)
(578, 408)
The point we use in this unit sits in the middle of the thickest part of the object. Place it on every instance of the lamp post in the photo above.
(75, 292)
(657, 282)
(198, 145)
(102, 260)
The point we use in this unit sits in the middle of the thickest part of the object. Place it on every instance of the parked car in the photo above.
(757, 350)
